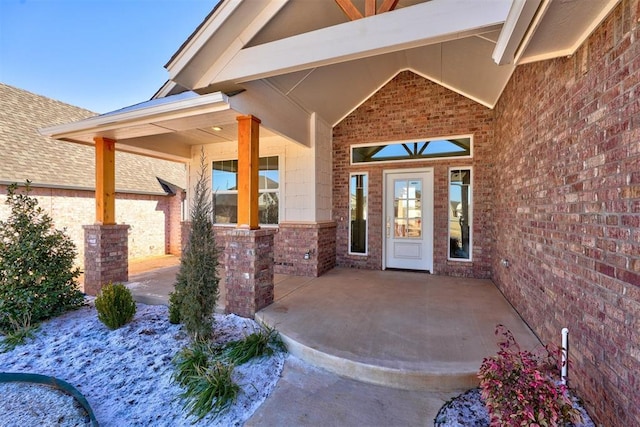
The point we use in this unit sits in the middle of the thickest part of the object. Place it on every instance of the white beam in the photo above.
(419, 25)
(518, 21)
(277, 112)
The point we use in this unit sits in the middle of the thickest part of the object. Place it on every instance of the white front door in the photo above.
(408, 221)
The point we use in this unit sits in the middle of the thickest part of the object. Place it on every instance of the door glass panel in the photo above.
(408, 209)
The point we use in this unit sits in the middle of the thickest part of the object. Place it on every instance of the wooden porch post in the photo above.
(105, 181)
(106, 244)
(248, 167)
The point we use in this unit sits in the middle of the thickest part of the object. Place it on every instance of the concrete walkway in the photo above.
(368, 348)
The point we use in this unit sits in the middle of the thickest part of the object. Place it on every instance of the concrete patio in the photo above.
(387, 339)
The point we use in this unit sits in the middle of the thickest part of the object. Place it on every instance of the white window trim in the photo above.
(471, 185)
(280, 190)
(383, 162)
(366, 236)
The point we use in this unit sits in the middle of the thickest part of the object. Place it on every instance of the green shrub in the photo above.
(174, 308)
(19, 333)
(258, 344)
(196, 290)
(519, 388)
(189, 361)
(211, 389)
(115, 305)
(37, 275)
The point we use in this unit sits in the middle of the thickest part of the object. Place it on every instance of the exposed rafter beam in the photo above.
(354, 14)
(423, 24)
(349, 9)
(387, 6)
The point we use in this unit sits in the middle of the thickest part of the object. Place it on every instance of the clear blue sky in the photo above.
(97, 54)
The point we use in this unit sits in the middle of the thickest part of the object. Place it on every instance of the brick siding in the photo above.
(412, 107)
(154, 220)
(290, 243)
(567, 203)
(294, 240)
(105, 249)
(248, 256)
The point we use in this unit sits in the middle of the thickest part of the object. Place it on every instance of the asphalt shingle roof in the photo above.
(25, 154)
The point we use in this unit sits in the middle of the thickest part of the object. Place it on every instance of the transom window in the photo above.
(412, 150)
(225, 191)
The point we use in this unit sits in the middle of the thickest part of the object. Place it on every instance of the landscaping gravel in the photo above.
(125, 374)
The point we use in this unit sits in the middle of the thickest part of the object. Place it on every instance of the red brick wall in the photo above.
(173, 224)
(567, 204)
(150, 217)
(293, 240)
(290, 242)
(411, 107)
(105, 261)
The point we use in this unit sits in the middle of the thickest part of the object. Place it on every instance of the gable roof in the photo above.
(26, 154)
(313, 54)
(297, 63)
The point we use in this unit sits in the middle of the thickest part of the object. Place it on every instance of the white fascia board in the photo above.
(173, 110)
(422, 24)
(247, 33)
(276, 111)
(520, 16)
(237, 22)
(208, 29)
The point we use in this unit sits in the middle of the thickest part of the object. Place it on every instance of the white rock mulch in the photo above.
(126, 374)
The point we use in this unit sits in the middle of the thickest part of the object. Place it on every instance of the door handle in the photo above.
(388, 227)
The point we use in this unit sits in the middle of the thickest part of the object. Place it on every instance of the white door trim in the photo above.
(428, 220)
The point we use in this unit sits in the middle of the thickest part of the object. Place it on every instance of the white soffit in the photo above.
(422, 24)
(336, 90)
(565, 26)
(464, 66)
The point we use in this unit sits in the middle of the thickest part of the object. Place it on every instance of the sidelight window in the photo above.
(358, 197)
(460, 214)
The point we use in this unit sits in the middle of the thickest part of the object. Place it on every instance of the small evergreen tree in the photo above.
(37, 277)
(196, 290)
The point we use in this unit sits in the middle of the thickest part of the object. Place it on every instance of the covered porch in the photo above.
(399, 329)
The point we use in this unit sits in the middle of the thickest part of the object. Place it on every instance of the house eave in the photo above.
(122, 118)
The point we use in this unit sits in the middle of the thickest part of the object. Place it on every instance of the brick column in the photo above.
(249, 271)
(106, 250)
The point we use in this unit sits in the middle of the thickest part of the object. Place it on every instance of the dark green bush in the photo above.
(115, 305)
(196, 291)
(37, 275)
(174, 308)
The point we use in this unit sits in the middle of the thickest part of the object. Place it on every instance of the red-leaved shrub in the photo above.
(520, 387)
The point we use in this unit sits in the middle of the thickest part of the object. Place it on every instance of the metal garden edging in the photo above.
(7, 377)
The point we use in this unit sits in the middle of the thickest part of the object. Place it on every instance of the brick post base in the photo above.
(249, 271)
(106, 250)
